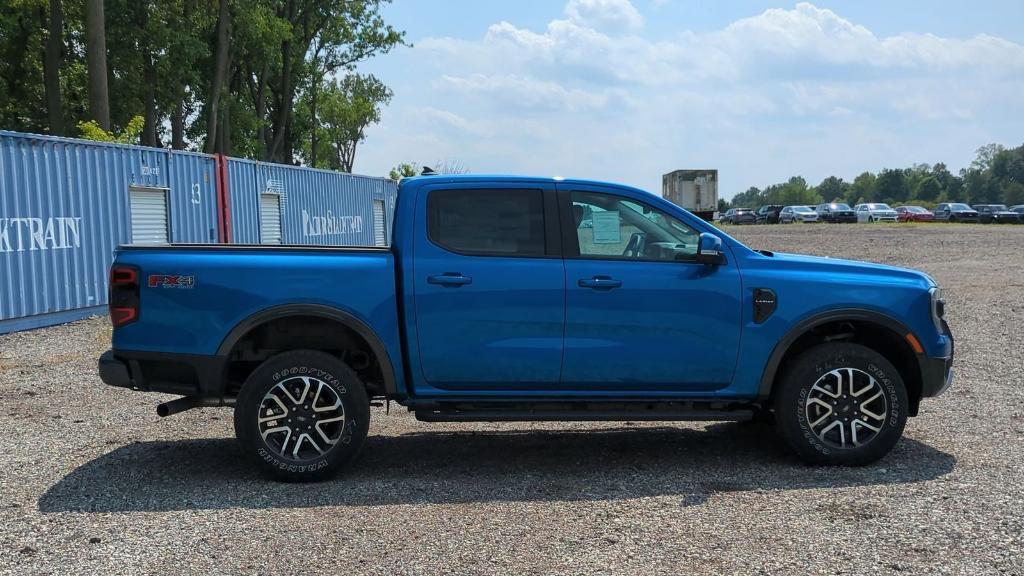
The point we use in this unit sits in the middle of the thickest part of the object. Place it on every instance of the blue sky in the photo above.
(625, 91)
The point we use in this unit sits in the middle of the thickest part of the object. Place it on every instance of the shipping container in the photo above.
(279, 204)
(65, 204)
(695, 190)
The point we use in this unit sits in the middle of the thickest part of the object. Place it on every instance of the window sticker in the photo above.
(606, 227)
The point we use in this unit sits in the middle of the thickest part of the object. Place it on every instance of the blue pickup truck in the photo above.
(522, 299)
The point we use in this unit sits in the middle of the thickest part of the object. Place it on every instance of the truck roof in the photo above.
(509, 178)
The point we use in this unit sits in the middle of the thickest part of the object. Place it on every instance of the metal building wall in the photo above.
(64, 208)
(318, 207)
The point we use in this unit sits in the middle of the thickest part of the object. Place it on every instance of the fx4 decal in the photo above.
(171, 281)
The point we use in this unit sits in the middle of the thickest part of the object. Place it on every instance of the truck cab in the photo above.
(508, 298)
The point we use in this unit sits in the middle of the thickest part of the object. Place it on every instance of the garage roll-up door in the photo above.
(149, 216)
(270, 218)
(380, 237)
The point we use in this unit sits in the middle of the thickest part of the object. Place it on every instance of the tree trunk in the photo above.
(178, 124)
(149, 114)
(260, 103)
(220, 71)
(178, 110)
(96, 59)
(52, 60)
(284, 108)
(313, 130)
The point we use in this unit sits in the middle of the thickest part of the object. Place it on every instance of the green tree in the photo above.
(863, 189)
(927, 188)
(91, 130)
(832, 188)
(403, 170)
(224, 75)
(346, 108)
(891, 186)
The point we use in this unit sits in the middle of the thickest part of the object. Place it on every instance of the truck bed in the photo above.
(214, 288)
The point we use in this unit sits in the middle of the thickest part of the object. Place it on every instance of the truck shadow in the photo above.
(458, 467)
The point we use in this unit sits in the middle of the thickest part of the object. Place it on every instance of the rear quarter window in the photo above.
(487, 222)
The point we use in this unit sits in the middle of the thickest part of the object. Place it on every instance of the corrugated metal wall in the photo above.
(318, 207)
(64, 208)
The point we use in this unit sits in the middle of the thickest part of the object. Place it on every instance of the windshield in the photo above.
(915, 209)
(839, 206)
(803, 209)
(998, 207)
(878, 207)
(960, 207)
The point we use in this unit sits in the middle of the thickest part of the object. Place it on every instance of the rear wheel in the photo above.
(841, 404)
(302, 415)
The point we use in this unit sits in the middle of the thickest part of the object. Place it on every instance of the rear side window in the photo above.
(487, 222)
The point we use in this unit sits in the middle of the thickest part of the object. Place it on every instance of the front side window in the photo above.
(487, 222)
(613, 227)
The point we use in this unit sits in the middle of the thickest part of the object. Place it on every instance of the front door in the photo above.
(489, 287)
(641, 314)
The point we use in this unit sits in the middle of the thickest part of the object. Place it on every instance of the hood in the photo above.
(840, 266)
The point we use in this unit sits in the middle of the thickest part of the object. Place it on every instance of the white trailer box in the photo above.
(695, 190)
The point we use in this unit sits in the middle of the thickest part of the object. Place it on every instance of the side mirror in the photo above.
(709, 250)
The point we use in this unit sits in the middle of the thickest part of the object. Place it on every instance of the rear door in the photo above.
(489, 286)
(641, 314)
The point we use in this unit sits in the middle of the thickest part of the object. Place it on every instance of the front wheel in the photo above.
(302, 415)
(841, 404)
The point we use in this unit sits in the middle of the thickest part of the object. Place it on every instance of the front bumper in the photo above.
(937, 372)
(936, 376)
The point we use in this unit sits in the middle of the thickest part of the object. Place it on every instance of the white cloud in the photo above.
(528, 93)
(608, 15)
(800, 90)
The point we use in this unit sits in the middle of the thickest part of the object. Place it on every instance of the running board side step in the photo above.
(585, 412)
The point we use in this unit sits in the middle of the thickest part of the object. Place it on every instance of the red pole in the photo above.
(223, 200)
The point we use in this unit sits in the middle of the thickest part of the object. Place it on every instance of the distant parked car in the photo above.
(874, 212)
(996, 214)
(836, 212)
(791, 214)
(914, 214)
(955, 212)
(768, 214)
(738, 216)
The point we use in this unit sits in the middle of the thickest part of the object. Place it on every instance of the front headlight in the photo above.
(938, 308)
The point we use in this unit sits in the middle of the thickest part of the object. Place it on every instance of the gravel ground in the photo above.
(94, 482)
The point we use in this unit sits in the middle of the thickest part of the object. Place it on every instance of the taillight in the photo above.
(124, 295)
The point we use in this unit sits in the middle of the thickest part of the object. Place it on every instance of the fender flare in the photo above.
(809, 323)
(321, 311)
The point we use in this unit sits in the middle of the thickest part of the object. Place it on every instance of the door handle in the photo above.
(600, 282)
(449, 279)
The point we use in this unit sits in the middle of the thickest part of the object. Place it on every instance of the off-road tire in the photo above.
(334, 392)
(803, 395)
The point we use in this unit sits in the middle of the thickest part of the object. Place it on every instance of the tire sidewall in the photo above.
(334, 373)
(791, 403)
